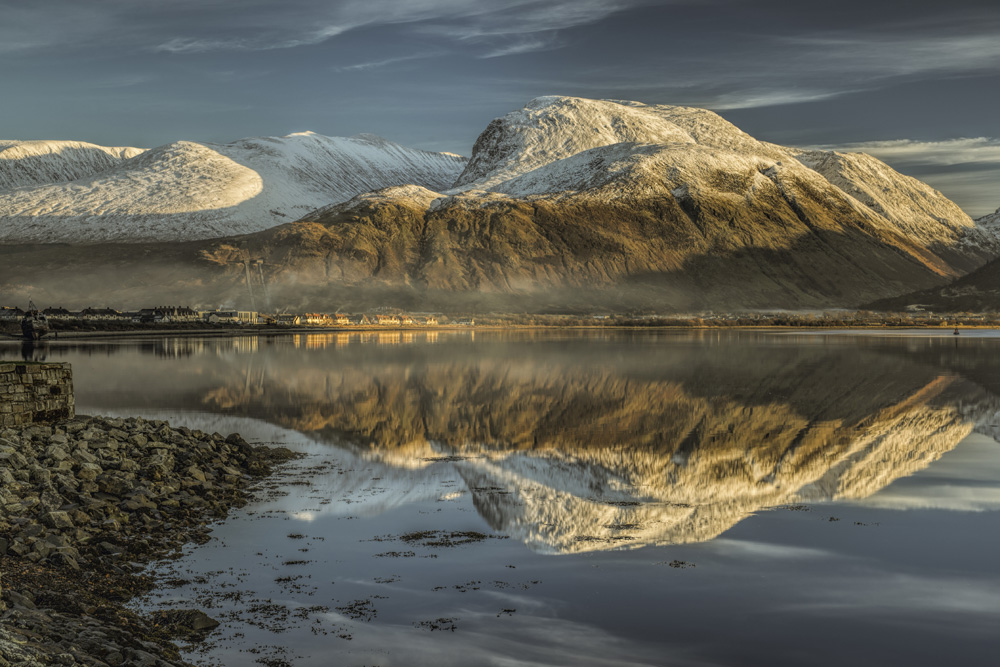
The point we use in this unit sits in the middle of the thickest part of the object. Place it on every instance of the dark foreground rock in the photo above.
(84, 505)
(191, 624)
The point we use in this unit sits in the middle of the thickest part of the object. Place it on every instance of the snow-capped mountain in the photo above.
(549, 129)
(573, 202)
(564, 144)
(66, 192)
(570, 193)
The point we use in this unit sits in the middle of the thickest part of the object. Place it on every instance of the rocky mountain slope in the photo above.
(72, 193)
(977, 291)
(640, 204)
(567, 203)
(524, 153)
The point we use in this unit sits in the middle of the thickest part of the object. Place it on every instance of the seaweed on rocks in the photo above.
(85, 504)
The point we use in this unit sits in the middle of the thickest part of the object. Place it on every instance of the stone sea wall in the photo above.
(32, 392)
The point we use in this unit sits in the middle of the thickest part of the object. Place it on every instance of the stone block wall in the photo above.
(31, 392)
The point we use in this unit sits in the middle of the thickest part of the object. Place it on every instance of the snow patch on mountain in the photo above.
(990, 222)
(917, 208)
(634, 170)
(417, 195)
(24, 163)
(552, 128)
(188, 190)
(549, 129)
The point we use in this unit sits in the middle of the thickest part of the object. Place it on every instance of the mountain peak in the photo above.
(552, 128)
(587, 201)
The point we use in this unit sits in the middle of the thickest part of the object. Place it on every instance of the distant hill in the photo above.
(68, 192)
(566, 203)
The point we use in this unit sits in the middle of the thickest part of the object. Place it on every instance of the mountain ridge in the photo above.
(189, 190)
(566, 201)
(27, 163)
(977, 291)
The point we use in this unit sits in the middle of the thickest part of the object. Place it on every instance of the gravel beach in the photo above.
(85, 504)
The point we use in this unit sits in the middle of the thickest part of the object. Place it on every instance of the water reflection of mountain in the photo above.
(627, 446)
(579, 444)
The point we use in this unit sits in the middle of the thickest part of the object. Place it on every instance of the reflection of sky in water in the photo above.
(881, 451)
(964, 479)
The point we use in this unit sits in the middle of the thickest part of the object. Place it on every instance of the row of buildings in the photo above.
(166, 314)
(342, 319)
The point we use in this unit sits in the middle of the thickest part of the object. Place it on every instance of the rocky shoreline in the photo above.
(85, 504)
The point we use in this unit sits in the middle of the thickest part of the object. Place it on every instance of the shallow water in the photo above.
(557, 498)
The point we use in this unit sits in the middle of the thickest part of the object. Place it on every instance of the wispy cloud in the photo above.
(885, 55)
(751, 99)
(471, 21)
(375, 64)
(948, 152)
(191, 45)
(825, 66)
(755, 70)
(199, 45)
(525, 44)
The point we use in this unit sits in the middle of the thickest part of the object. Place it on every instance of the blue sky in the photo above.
(914, 82)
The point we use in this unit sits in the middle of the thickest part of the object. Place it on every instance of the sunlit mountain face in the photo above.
(575, 443)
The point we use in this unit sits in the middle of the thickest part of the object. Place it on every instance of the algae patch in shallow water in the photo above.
(443, 538)
(85, 502)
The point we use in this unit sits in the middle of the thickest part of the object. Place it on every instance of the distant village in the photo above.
(183, 314)
(181, 317)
